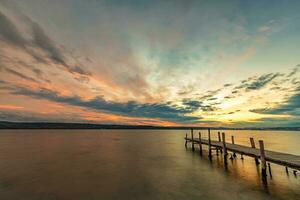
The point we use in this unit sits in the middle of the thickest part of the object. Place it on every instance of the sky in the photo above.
(169, 63)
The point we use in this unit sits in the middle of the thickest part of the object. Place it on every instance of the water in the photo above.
(135, 164)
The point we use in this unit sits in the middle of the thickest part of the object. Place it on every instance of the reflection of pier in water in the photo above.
(222, 147)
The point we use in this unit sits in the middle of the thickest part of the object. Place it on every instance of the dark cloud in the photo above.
(20, 75)
(10, 33)
(276, 88)
(294, 71)
(194, 105)
(275, 122)
(261, 81)
(21, 116)
(233, 112)
(212, 99)
(208, 108)
(255, 83)
(134, 109)
(227, 85)
(209, 95)
(41, 40)
(291, 107)
(186, 90)
(229, 97)
(191, 105)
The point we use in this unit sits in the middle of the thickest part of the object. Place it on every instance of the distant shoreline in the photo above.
(55, 125)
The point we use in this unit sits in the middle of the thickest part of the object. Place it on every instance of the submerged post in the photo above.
(262, 158)
(269, 168)
(192, 134)
(200, 143)
(253, 146)
(224, 147)
(209, 144)
(185, 141)
(232, 141)
(219, 138)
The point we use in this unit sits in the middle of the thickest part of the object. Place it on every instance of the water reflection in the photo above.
(134, 164)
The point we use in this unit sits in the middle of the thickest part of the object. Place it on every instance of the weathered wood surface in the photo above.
(289, 160)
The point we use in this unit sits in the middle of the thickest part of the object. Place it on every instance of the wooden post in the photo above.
(185, 141)
(262, 158)
(295, 173)
(224, 144)
(269, 168)
(253, 146)
(192, 134)
(200, 143)
(219, 137)
(209, 144)
(232, 141)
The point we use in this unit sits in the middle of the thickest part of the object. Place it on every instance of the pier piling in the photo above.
(224, 147)
(269, 168)
(232, 141)
(253, 146)
(209, 144)
(200, 143)
(219, 138)
(262, 158)
(192, 135)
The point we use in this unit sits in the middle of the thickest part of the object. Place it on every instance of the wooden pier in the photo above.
(287, 160)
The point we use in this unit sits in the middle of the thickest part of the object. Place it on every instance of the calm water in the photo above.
(135, 164)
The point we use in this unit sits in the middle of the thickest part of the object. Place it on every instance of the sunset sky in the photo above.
(203, 63)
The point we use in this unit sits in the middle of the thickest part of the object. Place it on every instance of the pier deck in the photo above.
(288, 160)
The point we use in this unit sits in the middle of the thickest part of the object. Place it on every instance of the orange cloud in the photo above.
(10, 107)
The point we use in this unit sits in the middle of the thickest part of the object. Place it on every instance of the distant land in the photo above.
(56, 125)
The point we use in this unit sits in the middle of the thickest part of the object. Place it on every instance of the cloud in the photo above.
(227, 85)
(264, 29)
(191, 105)
(290, 107)
(255, 83)
(20, 75)
(164, 111)
(10, 33)
(262, 81)
(233, 112)
(194, 105)
(294, 71)
(41, 40)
